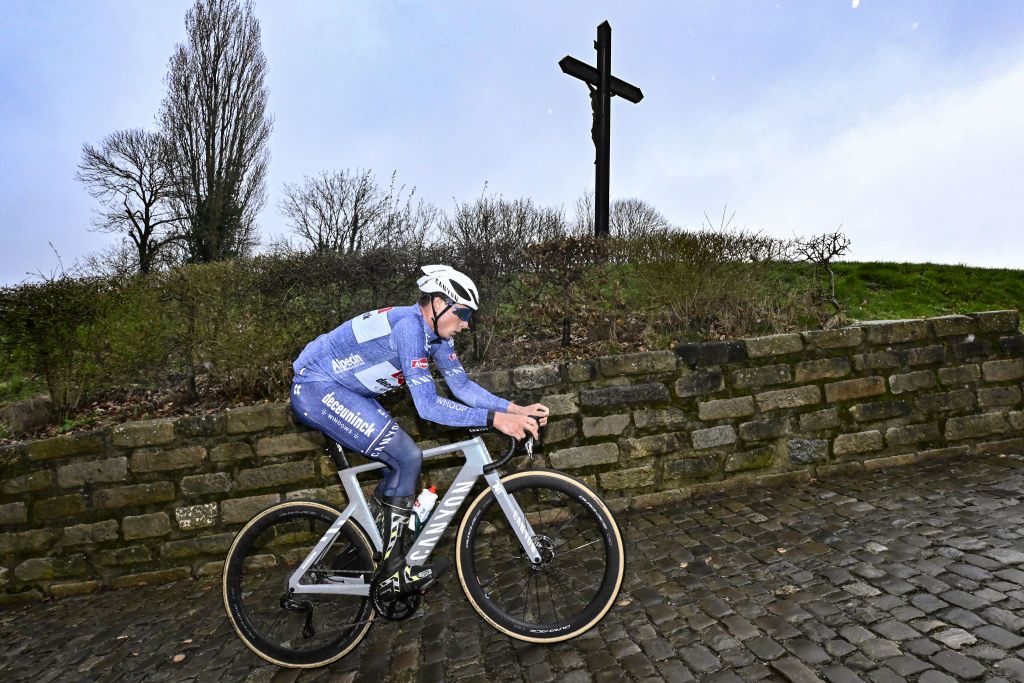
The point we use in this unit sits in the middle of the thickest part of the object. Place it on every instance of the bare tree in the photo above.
(214, 118)
(820, 252)
(128, 175)
(349, 212)
(583, 217)
(635, 218)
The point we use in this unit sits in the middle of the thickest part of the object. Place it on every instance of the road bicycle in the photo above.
(537, 552)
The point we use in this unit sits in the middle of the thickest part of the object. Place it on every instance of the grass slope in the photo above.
(883, 291)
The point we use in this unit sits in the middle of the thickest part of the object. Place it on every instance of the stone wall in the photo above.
(158, 501)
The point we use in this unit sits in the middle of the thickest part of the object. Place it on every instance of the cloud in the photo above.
(933, 177)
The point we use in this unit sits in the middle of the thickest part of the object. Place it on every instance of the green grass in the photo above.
(884, 291)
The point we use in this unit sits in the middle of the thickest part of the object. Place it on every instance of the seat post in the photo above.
(337, 454)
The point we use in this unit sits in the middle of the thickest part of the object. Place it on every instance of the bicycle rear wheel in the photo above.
(303, 630)
(580, 572)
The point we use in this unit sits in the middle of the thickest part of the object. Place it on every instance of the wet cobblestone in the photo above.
(913, 574)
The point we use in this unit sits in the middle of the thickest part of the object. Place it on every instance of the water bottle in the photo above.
(421, 508)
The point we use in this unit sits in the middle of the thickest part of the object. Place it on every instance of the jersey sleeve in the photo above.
(408, 337)
(465, 389)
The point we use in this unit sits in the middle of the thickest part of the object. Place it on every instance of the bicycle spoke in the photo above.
(572, 550)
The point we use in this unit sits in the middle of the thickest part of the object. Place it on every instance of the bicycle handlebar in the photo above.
(507, 455)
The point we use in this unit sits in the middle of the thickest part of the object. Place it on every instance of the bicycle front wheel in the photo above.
(296, 630)
(582, 559)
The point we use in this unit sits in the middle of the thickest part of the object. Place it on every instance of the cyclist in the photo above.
(339, 374)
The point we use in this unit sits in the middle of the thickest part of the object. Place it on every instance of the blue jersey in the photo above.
(383, 350)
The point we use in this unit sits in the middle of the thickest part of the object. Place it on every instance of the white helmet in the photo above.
(452, 284)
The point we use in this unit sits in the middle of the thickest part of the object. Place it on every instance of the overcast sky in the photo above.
(901, 121)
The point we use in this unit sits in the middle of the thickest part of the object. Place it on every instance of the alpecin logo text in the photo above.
(340, 365)
(347, 415)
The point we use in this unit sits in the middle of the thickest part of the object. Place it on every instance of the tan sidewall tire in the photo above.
(600, 504)
(224, 584)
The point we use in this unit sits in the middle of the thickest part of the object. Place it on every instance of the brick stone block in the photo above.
(580, 370)
(970, 349)
(585, 456)
(773, 345)
(756, 378)
(257, 418)
(609, 425)
(1003, 370)
(959, 401)
(146, 433)
(912, 434)
(227, 452)
(172, 459)
(762, 430)
(1016, 419)
(13, 513)
(536, 376)
(788, 398)
(146, 526)
(36, 541)
(726, 408)
(203, 484)
(996, 321)
(55, 508)
(713, 436)
(699, 383)
(693, 467)
(670, 418)
(999, 396)
(95, 471)
(750, 460)
(851, 389)
(712, 353)
(200, 425)
(895, 331)
(66, 590)
(820, 420)
(65, 446)
(843, 338)
(926, 355)
(138, 494)
(859, 442)
(216, 544)
(275, 475)
(496, 381)
(879, 360)
(976, 426)
(44, 568)
(559, 431)
(114, 557)
(562, 404)
(824, 368)
(27, 483)
(285, 444)
(961, 374)
(628, 394)
(657, 444)
(879, 410)
(644, 363)
(1013, 344)
(154, 578)
(951, 325)
(238, 510)
(90, 533)
(806, 451)
(912, 381)
(631, 478)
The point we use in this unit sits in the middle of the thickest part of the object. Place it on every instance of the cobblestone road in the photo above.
(911, 574)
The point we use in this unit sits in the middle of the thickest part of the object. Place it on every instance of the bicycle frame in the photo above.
(477, 456)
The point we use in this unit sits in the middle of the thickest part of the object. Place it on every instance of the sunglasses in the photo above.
(463, 314)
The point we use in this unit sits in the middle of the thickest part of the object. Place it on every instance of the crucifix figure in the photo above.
(602, 87)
